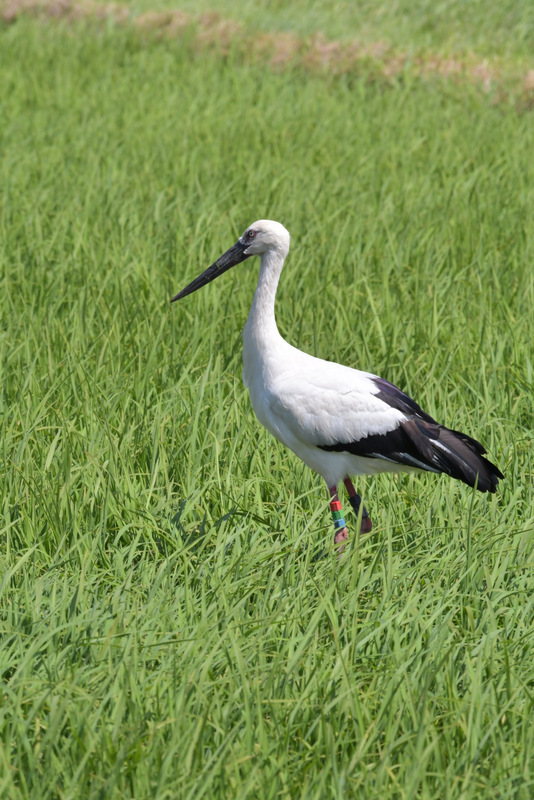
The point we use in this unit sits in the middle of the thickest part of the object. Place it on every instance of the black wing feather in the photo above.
(420, 442)
(394, 397)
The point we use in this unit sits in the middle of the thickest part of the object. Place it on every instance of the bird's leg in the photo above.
(355, 500)
(342, 533)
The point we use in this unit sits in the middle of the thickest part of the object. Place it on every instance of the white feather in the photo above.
(304, 401)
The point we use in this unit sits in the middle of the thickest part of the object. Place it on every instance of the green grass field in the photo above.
(166, 628)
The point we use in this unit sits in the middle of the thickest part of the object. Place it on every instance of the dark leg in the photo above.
(355, 500)
(337, 515)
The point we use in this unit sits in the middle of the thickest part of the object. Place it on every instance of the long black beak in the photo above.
(235, 255)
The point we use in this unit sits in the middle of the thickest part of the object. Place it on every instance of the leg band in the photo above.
(356, 502)
(337, 514)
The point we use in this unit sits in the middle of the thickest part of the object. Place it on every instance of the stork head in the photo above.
(261, 237)
(264, 235)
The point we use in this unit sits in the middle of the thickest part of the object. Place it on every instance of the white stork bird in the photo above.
(339, 421)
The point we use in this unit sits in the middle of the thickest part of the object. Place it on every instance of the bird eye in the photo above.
(251, 234)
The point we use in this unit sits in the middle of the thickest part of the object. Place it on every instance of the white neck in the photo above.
(262, 344)
(261, 322)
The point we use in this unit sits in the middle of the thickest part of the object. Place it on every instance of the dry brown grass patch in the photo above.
(316, 53)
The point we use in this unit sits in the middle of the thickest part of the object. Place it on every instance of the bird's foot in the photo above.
(367, 525)
(355, 500)
(341, 539)
(341, 536)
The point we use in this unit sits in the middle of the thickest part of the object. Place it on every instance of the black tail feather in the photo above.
(452, 452)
